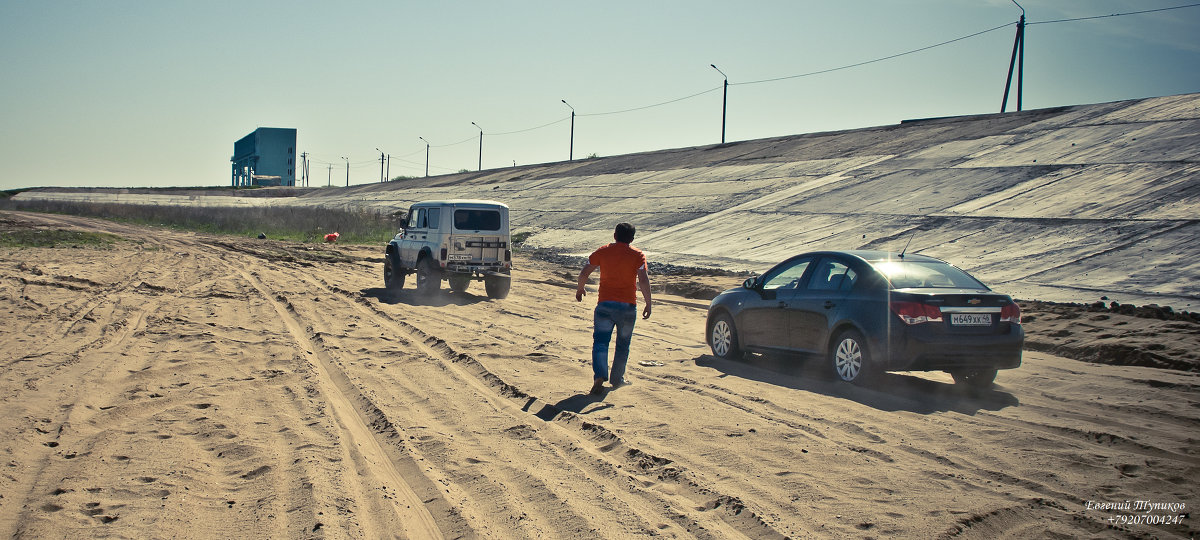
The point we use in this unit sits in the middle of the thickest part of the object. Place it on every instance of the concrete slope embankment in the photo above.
(1079, 203)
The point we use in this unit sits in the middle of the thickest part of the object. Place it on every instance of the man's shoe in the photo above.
(597, 388)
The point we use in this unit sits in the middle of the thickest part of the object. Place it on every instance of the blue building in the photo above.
(266, 157)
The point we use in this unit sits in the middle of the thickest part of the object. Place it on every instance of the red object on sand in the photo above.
(331, 237)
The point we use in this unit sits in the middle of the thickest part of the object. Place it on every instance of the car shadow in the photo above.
(410, 297)
(888, 392)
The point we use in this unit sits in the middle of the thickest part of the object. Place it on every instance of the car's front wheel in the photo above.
(848, 357)
(429, 278)
(723, 338)
(393, 276)
(975, 378)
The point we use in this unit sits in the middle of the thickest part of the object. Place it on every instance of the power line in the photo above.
(654, 105)
(1115, 14)
(559, 121)
(811, 73)
(775, 79)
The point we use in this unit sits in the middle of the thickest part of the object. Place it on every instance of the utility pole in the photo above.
(304, 169)
(426, 156)
(329, 177)
(480, 145)
(388, 176)
(724, 100)
(1018, 58)
(347, 170)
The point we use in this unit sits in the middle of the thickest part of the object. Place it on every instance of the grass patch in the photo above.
(280, 223)
(519, 238)
(55, 238)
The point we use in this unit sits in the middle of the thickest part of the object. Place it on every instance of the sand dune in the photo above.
(181, 385)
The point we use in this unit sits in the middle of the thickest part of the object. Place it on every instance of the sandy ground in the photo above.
(181, 385)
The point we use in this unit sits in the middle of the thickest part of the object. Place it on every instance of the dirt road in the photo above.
(180, 385)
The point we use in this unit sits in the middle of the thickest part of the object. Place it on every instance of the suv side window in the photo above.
(433, 218)
(418, 219)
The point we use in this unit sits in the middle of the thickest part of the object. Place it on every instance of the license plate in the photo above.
(460, 257)
(971, 319)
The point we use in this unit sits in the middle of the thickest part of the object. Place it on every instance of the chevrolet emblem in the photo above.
(974, 301)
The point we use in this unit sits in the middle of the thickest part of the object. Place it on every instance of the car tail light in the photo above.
(1011, 313)
(443, 254)
(916, 312)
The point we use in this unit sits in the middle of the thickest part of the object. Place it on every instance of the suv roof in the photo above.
(462, 202)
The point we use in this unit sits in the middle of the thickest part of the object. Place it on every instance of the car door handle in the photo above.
(783, 305)
(829, 304)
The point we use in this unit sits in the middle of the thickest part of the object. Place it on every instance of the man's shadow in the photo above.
(574, 404)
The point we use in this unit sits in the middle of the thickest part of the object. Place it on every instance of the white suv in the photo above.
(459, 240)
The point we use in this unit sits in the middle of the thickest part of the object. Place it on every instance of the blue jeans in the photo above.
(611, 315)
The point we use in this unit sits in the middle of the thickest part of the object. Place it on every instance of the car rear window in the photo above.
(926, 274)
(476, 220)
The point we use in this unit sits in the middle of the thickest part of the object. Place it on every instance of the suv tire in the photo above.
(429, 278)
(497, 286)
(393, 275)
(459, 282)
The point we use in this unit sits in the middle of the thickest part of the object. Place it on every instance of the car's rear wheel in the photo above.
(849, 359)
(497, 286)
(975, 378)
(459, 282)
(393, 276)
(723, 339)
(429, 278)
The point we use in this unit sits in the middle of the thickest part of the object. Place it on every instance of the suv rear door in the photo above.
(478, 235)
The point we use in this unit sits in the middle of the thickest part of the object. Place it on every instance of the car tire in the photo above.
(497, 287)
(459, 282)
(849, 359)
(723, 338)
(429, 278)
(979, 379)
(393, 275)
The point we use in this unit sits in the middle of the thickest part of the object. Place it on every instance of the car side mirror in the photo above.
(751, 283)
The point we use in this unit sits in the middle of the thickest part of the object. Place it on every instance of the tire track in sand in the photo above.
(410, 511)
(732, 517)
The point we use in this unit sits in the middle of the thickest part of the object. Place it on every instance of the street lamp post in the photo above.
(381, 163)
(426, 156)
(347, 170)
(571, 151)
(724, 100)
(480, 145)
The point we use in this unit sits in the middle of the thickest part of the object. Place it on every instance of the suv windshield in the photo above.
(476, 220)
(923, 274)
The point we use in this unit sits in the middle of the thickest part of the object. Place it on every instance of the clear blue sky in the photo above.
(141, 93)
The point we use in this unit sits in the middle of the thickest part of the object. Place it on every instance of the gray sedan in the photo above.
(867, 312)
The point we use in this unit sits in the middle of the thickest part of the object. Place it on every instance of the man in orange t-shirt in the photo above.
(623, 272)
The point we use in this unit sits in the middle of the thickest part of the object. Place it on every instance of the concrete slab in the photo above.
(1077, 203)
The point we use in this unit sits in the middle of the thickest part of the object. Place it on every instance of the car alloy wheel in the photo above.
(849, 357)
(723, 338)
